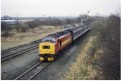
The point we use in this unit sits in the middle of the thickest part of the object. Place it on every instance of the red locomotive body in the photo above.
(64, 41)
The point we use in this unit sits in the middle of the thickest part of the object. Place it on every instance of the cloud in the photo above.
(58, 7)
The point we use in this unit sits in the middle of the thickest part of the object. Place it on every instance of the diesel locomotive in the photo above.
(53, 44)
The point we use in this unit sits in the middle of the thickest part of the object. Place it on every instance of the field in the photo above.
(19, 38)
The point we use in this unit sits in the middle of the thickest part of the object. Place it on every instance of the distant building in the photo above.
(11, 22)
(6, 18)
(14, 20)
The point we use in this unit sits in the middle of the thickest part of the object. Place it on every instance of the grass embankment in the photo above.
(82, 69)
(100, 56)
(18, 38)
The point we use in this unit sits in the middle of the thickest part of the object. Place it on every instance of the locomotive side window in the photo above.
(46, 47)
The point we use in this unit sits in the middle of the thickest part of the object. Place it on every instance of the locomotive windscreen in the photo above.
(48, 39)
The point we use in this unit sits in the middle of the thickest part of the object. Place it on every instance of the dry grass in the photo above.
(31, 35)
(81, 69)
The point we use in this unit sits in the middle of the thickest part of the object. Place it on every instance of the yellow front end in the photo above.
(46, 51)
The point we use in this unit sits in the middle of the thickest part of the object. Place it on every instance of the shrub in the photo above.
(24, 28)
(5, 26)
(6, 34)
(110, 42)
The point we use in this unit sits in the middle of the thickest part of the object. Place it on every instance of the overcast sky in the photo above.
(37, 8)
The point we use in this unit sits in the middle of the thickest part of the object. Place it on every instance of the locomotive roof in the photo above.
(54, 36)
(59, 34)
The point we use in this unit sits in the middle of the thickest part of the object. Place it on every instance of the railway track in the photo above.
(15, 51)
(33, 71)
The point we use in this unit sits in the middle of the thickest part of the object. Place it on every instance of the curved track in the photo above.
(20, 46)
(33, 71)
(15, 51)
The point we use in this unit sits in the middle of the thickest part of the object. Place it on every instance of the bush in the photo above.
(7, 34)
(33, 24)
(24, 28)
(110, 42)
(108, 32)
(5, 26)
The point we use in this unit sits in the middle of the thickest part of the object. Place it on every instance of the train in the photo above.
(53, 44)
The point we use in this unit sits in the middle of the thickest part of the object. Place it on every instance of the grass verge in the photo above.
(81, 69)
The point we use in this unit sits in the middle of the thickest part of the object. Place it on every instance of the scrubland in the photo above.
(17, 38)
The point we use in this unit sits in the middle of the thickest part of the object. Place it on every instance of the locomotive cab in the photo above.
(47, 49)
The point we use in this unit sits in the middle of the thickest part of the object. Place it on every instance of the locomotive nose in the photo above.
(46, 51)
(46, 48)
